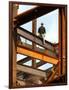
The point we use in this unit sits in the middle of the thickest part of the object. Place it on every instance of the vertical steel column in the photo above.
(34, 23)
(10, 44)
(14, 13)
(64, 38)
(60, 41)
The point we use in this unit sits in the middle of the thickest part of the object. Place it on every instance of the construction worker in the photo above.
(42, 32)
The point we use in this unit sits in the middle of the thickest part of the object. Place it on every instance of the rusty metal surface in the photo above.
(31, 70)
(32, 14)
(32, 37)
(23, 60)
(40, 50)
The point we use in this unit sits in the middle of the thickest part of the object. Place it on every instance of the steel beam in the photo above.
(52, 75)
(34, 24)
(31, 53)
(32, 14)
(40, 50)
(43, 51)
(23, 60)
(31, 70)
(29, 58)
(64, 38)
(40, 63)
(32, 37)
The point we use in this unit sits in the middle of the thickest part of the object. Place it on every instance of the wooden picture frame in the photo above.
(15, 21)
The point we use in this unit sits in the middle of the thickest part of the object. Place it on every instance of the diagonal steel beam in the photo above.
(32, 37)
(52, 75)
(32, 14)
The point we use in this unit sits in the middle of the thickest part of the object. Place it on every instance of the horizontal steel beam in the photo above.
(40, 63)
(31, 70)
(32, 14)
(29, 58)
(19, 73)
(40, 50)
(32, 37)
(31, 53)
(23, 60)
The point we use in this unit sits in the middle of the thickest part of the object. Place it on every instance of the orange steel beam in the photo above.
(28, 52)
(40, 50)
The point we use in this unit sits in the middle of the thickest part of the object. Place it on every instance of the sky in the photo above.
(50, 21)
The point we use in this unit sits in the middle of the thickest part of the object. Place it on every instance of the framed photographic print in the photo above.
(37, 44)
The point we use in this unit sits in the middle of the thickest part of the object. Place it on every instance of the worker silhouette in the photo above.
(42, 32)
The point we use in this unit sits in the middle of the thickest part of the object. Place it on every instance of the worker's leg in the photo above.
(40, 35)
(43, 36)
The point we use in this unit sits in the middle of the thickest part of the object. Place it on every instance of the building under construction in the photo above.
(22, 75)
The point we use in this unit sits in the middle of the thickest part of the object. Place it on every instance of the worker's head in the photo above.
(41, 24)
